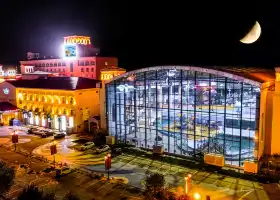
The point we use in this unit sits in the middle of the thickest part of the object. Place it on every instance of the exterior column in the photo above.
(275, 137)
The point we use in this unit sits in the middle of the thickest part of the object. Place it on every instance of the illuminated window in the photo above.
(81, 63)
(71, 122)
(87, 70)
(87, 63)
(106, 63)
(92, 63)
(82, 69)
(51, 65)
(59, 64)
(47, 65)
(63, 64)
(43, 64)
(92, 69)
(55, 64)
(71, 67)
(71, 100)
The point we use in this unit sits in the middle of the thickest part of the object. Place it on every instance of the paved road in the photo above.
(135, 169)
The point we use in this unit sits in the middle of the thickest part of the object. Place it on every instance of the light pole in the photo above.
(108, 161)
(15, 139)
(188, 183)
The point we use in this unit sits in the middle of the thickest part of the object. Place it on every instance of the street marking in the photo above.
(94, 183)
(245, 195)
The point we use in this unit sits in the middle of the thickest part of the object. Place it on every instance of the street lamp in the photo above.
(108, 161)
(197, 196)
(188, 183)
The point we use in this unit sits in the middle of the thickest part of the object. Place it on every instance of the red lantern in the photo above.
(15, 138)
(108, 162)
(53, 149)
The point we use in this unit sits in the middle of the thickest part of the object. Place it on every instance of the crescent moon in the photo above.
(253, 34)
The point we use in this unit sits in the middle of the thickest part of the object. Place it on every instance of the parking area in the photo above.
(217, 185)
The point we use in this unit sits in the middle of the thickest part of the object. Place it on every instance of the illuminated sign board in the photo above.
(84, 40)
(6, 91)
(70, 51)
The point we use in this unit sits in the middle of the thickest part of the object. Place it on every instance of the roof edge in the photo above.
(189, 68)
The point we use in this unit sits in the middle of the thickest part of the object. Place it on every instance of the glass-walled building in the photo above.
(187, 110)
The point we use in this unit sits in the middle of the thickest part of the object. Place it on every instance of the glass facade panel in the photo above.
(186, 112)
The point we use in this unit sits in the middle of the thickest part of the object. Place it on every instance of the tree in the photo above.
(7, 176)
(34, 193)
(155, 188)
(71, 196)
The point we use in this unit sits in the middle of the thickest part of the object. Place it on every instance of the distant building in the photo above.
(79, 59)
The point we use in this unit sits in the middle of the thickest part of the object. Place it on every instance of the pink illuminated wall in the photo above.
(88, 67)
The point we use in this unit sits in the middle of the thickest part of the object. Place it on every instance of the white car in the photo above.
(87, 146)
(102, 149)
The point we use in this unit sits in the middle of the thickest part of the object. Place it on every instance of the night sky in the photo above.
(145, 33)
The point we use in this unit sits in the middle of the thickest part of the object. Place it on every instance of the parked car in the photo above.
(39, 132)
(87, 145)
(63, 171)
(59, 135)
(46, 134)
(102, 148)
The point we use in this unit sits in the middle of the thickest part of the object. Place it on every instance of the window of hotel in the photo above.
(71, 100)
(87, 63)
(43, 64)
(31, 97)
(59, 64)
(58, 70)
(92, 63)
(63, 64)
(63, 70)
(51, 70)
(87, 70)
(55, 64)
(51, 65)
(47, 65)
(82, 69)
(81, 63)
(71, 67)
(92, 69)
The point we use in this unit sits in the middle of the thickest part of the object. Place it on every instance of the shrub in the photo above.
(7, 176)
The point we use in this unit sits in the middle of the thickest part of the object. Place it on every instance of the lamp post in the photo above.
(15, 139)
(188, 183)
(108, 161)
(53, 151)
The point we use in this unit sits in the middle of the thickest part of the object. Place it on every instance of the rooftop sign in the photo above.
(83, 40)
